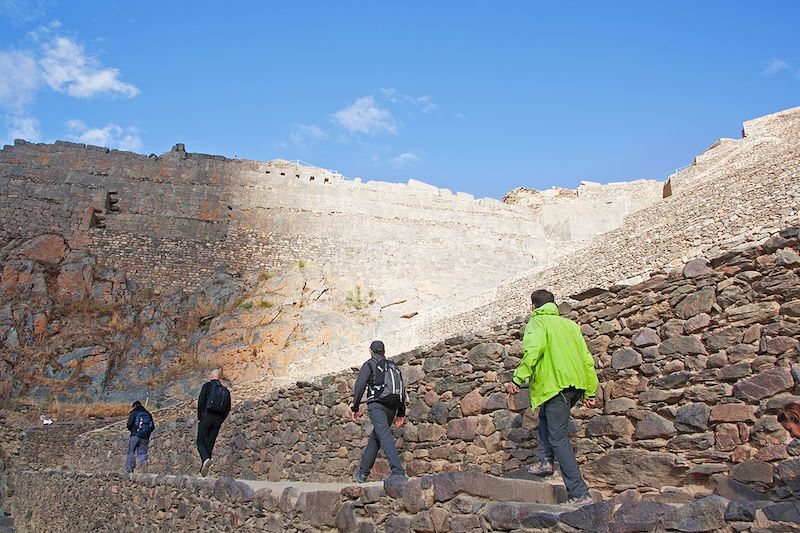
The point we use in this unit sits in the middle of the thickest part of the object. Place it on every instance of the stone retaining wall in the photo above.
(692, 370)
(459, 502)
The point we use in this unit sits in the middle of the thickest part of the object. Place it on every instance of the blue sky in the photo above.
(474, 96)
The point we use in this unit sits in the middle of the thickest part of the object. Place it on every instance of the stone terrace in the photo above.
(736, 193)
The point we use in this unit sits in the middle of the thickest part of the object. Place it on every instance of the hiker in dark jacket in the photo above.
(141, 425)
(213, 407)
(373, 377)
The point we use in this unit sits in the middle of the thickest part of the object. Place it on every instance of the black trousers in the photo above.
(207, 431)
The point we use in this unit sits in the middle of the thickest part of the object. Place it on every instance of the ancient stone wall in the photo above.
(692, 365)
(746, 193)
(460, 502)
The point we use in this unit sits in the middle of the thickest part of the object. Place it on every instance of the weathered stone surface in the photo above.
(615, 426)
(750, 313)
(654, 426)
(592, 517)
(634, 467)
(706, 514)
(321, 508)
(485, 356)
(448, 485)
(418, 494)
(697, 268)
(619, 405)
(472, 403)
(752, 470)
(47, 249)
(692, 417)
(645, 337)
(506, 516)
(765, 384)
(732, 412)
(682, 344)
(462, 428)
(701, 301)
(784, 512)
(625, 358)
(634, 517)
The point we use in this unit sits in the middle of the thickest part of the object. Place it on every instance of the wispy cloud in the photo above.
(775, 66)
(22, 11)
(18, 127)
(62, 64)
(110, 135)
(301, 133)
(19, 81)
(405, 159)
(425, 103)
(364, 116)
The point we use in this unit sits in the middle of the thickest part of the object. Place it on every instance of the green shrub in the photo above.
(246, 305)
(264, 304)
(301, 264)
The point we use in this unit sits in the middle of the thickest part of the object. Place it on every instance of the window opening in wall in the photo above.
(266, 172)
(97, 220)
(297, 175)
(311, 178)
(283, 173)
(327, 180)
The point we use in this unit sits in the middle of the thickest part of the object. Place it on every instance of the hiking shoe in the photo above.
(579, 501)
(541, 468)
(205, 467)
(359, 477)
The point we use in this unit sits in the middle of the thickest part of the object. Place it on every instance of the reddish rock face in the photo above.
(47, 249)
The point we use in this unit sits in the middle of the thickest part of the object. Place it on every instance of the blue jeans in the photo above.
(381, 438)
(554, 440)
(137, 449)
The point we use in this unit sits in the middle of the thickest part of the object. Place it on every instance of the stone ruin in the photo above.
(694, 355)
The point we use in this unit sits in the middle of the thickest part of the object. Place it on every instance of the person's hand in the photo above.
(589, 403)
(399, 421)
(511, 388)
(357, 416)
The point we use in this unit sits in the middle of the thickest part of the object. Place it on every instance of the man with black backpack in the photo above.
(386, 402)
(141, 425)
(213, 407)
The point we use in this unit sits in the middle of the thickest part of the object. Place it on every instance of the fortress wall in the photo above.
(171, 220)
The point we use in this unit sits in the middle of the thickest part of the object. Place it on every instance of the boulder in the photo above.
(692, 417)
(634, 467)
(751, 313)
(613, 426)
(683, 345)
(593, 517)
(634, 517)
(506, 516)
(645, 337)
(654, 426)
(625, 358)
(485, 356)
(698, 302)
(697, 268)
(706, 514)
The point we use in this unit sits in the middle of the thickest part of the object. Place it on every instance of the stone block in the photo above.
(764, 384)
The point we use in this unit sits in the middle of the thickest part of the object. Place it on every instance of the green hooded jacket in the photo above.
(555, 357)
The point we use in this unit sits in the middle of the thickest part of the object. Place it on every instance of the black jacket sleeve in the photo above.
(227, 406)
(201, 401)
(361, 385)
(131, 421)
(401, 411)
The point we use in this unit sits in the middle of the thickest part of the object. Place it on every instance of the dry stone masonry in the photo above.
(692, 365)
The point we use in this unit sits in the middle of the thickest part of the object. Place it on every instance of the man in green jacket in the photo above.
(561, 373)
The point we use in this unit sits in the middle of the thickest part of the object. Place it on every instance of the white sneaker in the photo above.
(205, 467)
(579, 501)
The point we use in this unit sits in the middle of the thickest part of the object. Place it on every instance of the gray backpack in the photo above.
(386, 384)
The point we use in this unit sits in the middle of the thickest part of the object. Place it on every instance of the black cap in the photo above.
(137, 403)
(377, 347)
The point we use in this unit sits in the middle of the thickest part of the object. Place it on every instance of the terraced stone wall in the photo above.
(692, 367)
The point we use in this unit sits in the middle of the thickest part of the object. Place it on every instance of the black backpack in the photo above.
(143, 426)
(219, 399)
(386, 384)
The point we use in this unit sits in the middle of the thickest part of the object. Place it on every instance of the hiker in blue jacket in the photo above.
(141, 425)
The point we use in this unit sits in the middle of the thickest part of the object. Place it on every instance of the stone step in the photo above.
(6, 524)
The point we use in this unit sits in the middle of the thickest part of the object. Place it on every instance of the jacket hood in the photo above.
(547, 309)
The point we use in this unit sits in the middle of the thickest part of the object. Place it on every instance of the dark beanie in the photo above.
(136, 404)
(377, 347)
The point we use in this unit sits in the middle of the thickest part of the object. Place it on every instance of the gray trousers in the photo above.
(554, 440)
(381, 438)
(137, 449)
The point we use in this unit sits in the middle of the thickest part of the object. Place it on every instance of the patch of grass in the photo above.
(301, 264)
(73, 411)
(246, 305)
(264, 304)
(264, 275)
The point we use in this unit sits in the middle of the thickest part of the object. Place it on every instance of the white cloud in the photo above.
(19, 127)
(405, 159)
(775, 66)
(423, 102)
(364, 116)
(19, 80)
(66, 68)
(21, 11)
(303, 132)
(109, 135)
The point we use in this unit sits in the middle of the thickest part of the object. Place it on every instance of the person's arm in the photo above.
(361, 385)
(533, 345)
(591, 375)
(201, 401)
(131, 420)
(227, 405)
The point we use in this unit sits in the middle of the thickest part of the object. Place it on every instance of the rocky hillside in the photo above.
(72, 330)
